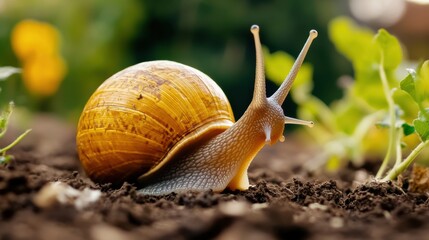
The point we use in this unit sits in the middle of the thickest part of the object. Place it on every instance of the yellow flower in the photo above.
(30, 38)
(37, 46)
(42, 75)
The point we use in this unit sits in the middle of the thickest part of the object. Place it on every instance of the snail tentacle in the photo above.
(280, 95)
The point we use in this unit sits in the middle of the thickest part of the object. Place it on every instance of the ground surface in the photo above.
(285, 201)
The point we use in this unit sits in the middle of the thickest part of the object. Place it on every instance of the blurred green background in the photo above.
(99, 38)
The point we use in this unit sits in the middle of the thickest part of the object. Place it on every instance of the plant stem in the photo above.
(365, 124)
(393, 174)
(17, 140)
(359, 134)
(398, 147)
(392, 118)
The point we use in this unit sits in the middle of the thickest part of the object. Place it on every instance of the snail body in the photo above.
(170, 128)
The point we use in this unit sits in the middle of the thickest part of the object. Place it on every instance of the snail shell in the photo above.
(145, 115)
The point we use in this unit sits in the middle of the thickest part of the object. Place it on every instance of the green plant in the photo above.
(376, 107)
(413, 84)
(5, 72)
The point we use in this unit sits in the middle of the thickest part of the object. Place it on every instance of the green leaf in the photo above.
(369, 88)
(6, 72)
(351, 40)
(4, 118)
(424, 70)
(406, 103)
(422, 128)
(408, 84)
(416, 86)
(408, 129)
(277, 65)
(390, 49)
(360, 46)
(421, 125)
(345, 109)
(423, 80)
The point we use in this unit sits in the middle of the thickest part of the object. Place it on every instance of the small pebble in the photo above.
(58, 192)
(336, 222)
(318, 206)
(234, 208)
(258, 206)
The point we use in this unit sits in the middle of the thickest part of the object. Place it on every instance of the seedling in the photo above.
(413, 85)
(5, 72)
(352, 127)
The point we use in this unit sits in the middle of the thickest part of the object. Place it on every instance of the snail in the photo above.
(169, 128)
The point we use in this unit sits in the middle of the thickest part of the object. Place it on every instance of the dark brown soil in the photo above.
(285, 201)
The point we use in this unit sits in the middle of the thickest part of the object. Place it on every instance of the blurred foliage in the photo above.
(346, 129)
(98, 38)
(95, 36)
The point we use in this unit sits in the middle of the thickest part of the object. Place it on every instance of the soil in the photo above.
(285, 201)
